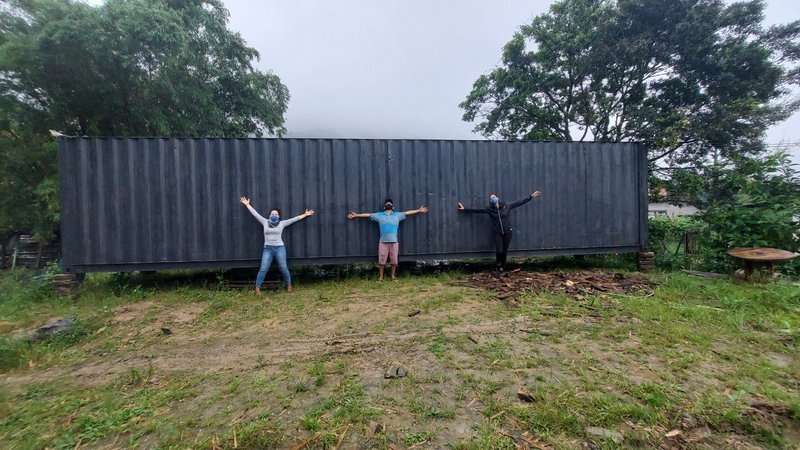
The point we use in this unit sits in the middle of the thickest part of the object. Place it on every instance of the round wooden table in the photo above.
(759, 257)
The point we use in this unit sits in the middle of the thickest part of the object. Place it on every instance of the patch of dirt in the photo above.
(131, 312)
(184, 315)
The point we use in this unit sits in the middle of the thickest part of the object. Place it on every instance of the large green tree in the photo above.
(125, 68)
(692, 79)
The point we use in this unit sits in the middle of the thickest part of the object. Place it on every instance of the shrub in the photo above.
(665, 235)
(754, 204)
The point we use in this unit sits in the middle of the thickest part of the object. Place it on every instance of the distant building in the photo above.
(670, 210)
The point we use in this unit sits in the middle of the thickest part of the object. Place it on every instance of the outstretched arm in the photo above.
(469, 210)
(246, 202)
(353, 215)
(308, 213)
(524, 200)
(422, 209)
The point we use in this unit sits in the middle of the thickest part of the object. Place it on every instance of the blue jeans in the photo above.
(279, 253)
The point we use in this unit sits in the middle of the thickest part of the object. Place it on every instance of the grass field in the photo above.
(690, 363)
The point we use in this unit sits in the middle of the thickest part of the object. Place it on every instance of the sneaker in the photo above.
(289, 288)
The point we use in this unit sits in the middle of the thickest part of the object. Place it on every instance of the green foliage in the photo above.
(664, 231)
(19, 288)
(665, 234)
(124, 68)
(687, 78)
(12, 352)
(687, 184)
(28, 181)
(26, 300)
(755, 203)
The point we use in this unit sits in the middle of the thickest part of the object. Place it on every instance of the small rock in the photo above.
(525, 395)
(51, 327)
(395, 372)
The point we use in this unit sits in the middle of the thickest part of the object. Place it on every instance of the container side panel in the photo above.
(174, 202)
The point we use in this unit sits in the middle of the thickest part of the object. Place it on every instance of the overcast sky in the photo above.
(397, 68)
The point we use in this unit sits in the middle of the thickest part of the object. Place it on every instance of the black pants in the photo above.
(501, 243)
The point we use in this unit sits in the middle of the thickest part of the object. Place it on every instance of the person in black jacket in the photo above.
(498, 212)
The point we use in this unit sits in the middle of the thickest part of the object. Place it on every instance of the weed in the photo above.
(136, 378)
(300, 387)
(311, 423)
(233, 385)
(411, 439)
(438, 345)
(317, 371)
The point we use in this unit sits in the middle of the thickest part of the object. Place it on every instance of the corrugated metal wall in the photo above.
(162, 203)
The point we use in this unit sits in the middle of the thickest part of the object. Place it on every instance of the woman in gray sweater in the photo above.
(273, 244)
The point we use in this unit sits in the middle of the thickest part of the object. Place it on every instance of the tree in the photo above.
(691, 79)
(126, 68)
(753, 203)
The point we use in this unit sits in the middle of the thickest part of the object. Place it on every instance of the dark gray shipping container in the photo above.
(173, 203)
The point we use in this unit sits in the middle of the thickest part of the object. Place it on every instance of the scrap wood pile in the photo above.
(578, 284)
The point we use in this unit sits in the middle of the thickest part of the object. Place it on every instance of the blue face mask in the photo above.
(274, 218)
(494, 200)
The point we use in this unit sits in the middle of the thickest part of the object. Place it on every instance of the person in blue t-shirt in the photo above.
(389, 222)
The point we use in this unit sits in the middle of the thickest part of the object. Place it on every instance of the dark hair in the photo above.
(276, 209)
(388, 200)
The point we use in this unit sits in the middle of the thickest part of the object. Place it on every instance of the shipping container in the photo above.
(173, 203)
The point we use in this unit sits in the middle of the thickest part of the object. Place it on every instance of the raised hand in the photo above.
(351, 215)
(460, 206)
(309, 212)
(536, 194)
(244, 200)
(423, 209)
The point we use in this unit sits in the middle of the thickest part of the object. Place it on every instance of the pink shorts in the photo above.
(388, 250)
